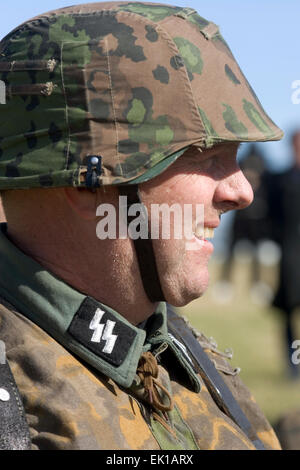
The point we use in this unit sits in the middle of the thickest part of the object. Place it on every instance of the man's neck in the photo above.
(109, 273)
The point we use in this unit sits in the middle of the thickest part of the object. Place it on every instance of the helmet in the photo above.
(113, 93)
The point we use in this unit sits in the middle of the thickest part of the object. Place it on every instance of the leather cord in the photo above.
(148, 372)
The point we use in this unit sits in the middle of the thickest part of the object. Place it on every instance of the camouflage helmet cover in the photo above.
(136, 83)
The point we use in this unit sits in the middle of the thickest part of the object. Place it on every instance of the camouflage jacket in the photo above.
(77, 365)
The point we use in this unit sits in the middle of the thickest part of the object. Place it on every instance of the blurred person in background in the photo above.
(284, 194)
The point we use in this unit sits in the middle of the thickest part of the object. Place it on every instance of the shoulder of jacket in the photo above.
(219, 358)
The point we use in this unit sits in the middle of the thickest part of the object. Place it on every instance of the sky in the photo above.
(263, 36)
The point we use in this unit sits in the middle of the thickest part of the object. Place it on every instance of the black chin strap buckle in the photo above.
(94, 171)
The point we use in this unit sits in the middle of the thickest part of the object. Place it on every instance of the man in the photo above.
(112, 105)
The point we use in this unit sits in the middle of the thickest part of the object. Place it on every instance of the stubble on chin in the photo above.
(183, 274)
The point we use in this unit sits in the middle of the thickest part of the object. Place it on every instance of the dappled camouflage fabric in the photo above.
(71, 406)
(288, 430)
(132, 82)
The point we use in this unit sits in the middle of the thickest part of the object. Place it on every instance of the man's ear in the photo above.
(82, 201)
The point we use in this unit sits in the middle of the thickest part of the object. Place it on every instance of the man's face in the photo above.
(213, 179)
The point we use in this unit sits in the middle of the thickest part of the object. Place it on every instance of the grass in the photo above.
(254, 332)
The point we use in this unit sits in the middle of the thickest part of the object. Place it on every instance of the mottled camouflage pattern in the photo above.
(69, 406)
(133, 82)
(288, 430)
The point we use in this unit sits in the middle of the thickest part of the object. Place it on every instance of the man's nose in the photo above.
(234, 192)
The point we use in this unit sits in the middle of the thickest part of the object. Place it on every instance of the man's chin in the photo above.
(183, 299)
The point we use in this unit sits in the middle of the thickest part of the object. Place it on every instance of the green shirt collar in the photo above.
(91, 330)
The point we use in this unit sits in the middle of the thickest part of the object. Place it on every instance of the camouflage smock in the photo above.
(76, 399)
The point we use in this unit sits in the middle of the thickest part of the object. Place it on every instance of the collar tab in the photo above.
(102, 332)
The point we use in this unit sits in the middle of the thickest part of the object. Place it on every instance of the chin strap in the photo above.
(144, 247)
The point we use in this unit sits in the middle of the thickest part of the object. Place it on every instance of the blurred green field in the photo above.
(254, 332)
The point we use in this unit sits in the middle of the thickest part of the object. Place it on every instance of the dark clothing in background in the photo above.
(284, 208)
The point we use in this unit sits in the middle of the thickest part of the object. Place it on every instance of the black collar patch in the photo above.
(101, 332)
